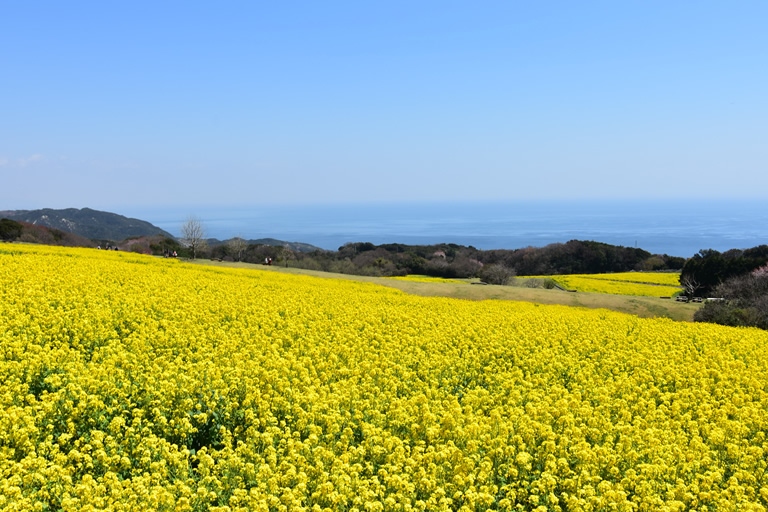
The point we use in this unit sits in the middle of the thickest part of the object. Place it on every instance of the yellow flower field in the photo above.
(584, 283)
(665, 278)
(645, 284)
(136, 383)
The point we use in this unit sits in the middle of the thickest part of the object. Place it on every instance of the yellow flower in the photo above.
(129, 382)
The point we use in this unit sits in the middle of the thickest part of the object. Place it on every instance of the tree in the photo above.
(10, 230)
(193, 235)
(690, 284)
(238, 246)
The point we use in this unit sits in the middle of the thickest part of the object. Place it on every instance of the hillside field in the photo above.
(646, 306)
(130, 382)
(642, 284)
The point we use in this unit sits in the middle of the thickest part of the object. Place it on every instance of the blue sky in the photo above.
(124, 105)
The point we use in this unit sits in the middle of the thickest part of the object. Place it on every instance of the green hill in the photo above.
(274, 242)
(88, 223)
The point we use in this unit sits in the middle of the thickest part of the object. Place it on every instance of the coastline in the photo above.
(676, 228)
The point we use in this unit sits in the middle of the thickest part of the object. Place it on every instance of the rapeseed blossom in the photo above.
(591, 285)
(644, 284)
(134, 383)
(665, 278)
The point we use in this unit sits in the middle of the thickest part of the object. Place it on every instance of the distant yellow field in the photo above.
(645, 284)
(667, 278)
(136, 383)
(585, 284)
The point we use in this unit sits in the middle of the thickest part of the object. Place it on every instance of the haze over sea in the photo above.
(676, 228)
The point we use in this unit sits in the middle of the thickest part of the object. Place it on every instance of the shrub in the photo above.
(745, 302)
(496, 274)
(548, 283)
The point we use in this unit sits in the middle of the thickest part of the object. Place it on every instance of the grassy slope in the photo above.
(647, 307)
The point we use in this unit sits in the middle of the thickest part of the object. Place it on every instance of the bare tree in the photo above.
(690, 285)
(193, 235)
(238, 246)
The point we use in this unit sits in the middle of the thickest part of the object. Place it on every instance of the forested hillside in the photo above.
(88, 223)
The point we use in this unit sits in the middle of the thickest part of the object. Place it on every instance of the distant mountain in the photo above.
(294, 246)
(92, 224)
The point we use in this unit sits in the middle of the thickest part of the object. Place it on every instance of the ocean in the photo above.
(676, 228)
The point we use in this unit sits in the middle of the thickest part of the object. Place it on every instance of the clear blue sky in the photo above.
(117, 105)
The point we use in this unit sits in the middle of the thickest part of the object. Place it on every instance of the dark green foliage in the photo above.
(707, 269)
(258, 253)
(412, 263)
(9, 230)
(456, 261)
(579, 257)
(358, 247)
(164, 245)
(671, 263)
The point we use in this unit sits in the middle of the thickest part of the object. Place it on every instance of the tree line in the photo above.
(457, 261)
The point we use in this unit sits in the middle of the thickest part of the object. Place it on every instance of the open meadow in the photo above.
(131, 382)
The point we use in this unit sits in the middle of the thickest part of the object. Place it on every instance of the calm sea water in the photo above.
(661, 227)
